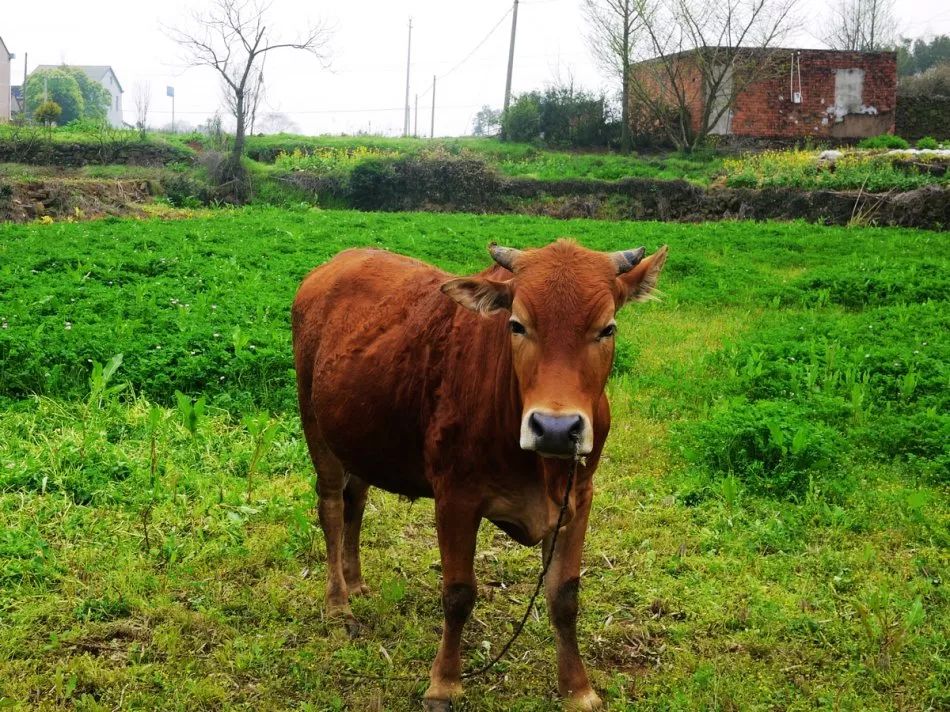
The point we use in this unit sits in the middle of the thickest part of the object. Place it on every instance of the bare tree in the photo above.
(143, 101)
(695, 59)
(232, 37)
(862, 25)
(612, 34)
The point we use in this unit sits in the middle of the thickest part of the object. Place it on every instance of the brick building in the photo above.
(787, 93)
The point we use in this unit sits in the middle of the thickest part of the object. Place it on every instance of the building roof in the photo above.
(96, 72)
(4, 45)
(763, 50)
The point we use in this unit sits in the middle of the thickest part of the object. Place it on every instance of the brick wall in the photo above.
(654, 79)
(764, 106)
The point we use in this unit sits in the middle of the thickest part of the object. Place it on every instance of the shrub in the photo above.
(561, 116)
(418, 181)
(933, 82)
(771, 446)
(47, 112)
(183, 191)
(928, 142)
(374, 184)
(56, 85)
(924, 435)
(522, 121)
(883, 141)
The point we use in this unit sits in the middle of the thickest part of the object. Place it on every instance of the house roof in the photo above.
(764, 50)
(96, 72)
(4, 45)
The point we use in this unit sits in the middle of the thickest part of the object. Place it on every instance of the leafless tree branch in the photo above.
(232, 37)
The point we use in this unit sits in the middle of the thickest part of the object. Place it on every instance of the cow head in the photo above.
(561, 300)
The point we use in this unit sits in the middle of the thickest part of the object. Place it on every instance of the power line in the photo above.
(474, 50)
(325, 111)
(479, 45)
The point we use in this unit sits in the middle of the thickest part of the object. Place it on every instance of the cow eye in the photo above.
(607, 331)
(516, 327)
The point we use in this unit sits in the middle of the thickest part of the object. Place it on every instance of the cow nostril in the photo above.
(577, 427)
(534, 422)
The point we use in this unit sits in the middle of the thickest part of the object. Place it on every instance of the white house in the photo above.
(5, 95)
(103, 74)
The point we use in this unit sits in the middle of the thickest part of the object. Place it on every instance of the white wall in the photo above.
(4, 85)
(115, 107)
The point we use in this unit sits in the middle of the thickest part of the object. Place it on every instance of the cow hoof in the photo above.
(353, 627)
(345, 616)
(584, 701)
(439, 696)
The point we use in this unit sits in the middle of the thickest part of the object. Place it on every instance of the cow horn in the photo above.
(505, 256)
(626, 260)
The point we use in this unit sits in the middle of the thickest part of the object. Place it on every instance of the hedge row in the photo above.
(467, 184)
(39, 151)
(919, 116)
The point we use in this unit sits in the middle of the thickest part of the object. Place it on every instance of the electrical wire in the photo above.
(470, 54)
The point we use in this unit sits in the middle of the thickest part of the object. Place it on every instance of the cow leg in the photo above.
(354, 502)
(561, 587)
(457, 526)
(330, 484)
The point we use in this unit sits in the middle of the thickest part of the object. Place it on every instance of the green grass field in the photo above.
(770, 529)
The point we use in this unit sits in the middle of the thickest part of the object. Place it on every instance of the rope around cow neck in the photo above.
(519, 628)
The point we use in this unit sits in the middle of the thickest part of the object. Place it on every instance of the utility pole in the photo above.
(405, 126)
(511, 55)
(170, 91)
(432, 126)
(415, 124)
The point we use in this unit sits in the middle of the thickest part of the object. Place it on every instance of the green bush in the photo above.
(771, 446)
(922, 438)
(928, 142)
(47, 112)
(416, 182)
(374, 183)
(183, 191)
(57, 85)
(883, 141)
(522, 121)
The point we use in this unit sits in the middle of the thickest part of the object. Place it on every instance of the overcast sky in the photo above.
(364, 87)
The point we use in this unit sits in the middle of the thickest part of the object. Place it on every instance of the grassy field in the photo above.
(329, 153)
(770, 529)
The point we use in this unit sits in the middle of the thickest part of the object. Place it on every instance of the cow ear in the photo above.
(639, 284)
(484, 296)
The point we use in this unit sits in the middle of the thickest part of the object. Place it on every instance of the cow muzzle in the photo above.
(556, 434)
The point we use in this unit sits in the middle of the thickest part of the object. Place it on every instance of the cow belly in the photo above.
(370, 429)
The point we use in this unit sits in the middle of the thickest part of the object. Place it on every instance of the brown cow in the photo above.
(473, 391)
